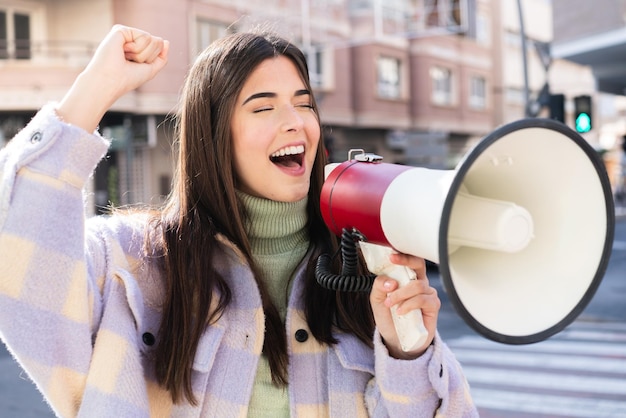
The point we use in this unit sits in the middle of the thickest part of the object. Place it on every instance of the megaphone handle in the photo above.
(410, 327)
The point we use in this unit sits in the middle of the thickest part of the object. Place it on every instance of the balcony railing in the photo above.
(46, 51)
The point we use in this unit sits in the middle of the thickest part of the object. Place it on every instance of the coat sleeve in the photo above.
(49, 295)
(431, 385)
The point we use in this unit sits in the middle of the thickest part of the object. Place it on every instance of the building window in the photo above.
(4, 45)
(15, 38)
(442, 93)
(444, 13)
(315, 61)
(483, 31)
(394, 16)
(388, 77)
(208, 31)
(478, 93)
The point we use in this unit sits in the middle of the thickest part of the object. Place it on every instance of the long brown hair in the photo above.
(203, 203)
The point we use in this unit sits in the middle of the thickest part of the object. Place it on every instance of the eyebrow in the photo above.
(302, 92)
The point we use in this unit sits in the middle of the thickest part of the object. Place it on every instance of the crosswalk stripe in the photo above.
(598, 326)
(542, 380)
(542, 360)
(548, 404)
(594, 336)
(548, 346)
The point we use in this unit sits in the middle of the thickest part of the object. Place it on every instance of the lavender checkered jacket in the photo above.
(79, 309)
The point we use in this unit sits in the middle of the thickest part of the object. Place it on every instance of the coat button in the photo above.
(302, 335)
(35, 137)
(148, 338)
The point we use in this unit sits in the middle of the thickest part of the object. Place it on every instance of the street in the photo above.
(580, 372)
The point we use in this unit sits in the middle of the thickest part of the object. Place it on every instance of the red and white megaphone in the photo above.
(522, 229)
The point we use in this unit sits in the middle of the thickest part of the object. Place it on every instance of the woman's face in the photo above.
(275, 133)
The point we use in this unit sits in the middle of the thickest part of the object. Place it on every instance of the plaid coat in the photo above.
(79, 309)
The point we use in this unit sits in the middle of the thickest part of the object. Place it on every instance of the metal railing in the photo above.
(49, 50)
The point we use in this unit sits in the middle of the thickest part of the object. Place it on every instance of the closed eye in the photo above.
(262, 109)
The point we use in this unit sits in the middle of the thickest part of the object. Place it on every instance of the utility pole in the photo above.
(527, 110)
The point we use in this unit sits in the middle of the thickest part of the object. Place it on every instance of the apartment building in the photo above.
(412, 81)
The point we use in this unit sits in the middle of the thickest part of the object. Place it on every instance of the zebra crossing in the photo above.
(580, 372)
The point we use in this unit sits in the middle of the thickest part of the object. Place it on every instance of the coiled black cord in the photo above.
(348, 280)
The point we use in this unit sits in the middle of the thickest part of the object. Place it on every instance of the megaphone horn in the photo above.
(522, 229)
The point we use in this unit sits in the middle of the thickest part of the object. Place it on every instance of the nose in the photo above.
(291, 120)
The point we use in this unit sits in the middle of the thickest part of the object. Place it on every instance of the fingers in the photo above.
(144, 48)
(417, 294)
(140, 46)
(124, 60)
(415, 263)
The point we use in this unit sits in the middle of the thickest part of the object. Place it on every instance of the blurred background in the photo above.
(418, 82)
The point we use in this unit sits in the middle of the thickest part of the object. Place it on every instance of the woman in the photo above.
(209, 306)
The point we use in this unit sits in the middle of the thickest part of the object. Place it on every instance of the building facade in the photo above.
(416, 81)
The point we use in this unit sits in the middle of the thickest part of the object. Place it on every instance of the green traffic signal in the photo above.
(583, 123)
(582, 113)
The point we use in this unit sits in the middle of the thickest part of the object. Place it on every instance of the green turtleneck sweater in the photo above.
(279, 241)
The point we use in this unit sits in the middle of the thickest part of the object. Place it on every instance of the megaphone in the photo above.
(521, 230)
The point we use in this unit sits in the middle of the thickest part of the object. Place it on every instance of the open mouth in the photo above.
(290, 157)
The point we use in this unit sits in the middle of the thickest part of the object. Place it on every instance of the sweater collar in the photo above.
(275, 227)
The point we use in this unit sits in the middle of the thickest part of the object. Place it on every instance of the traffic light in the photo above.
(557, 107)
(582, 114)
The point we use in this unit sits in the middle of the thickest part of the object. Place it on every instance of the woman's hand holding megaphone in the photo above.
(414, 295)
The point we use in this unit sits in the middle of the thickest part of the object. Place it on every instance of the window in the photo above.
(4, 47)
(388, 77)
(444, 13)
(483, 31)
(209, 31)
(15, 39)
(315, 62)
(478, 93)
(394, 16)
(22, 35)
(441, 86)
